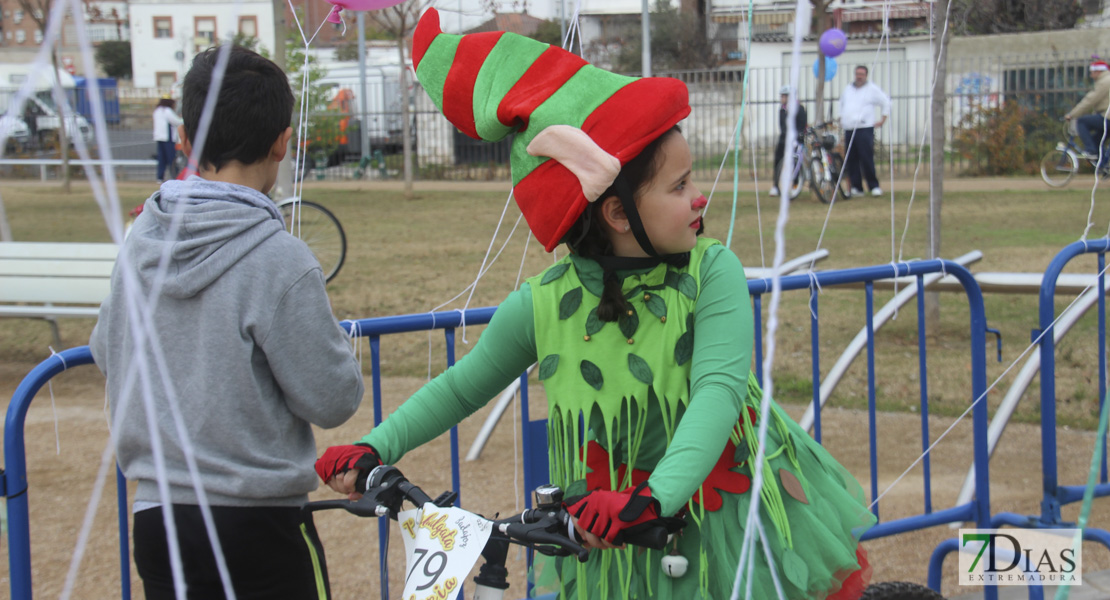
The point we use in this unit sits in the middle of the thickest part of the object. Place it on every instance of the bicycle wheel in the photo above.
(899, 590)
(822, 186)
(320, 230)
(801, 176)
(1058, 167)
(838, 174)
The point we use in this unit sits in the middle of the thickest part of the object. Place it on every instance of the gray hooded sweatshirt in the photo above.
(250, 350)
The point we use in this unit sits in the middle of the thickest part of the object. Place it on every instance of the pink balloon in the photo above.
(833, 42)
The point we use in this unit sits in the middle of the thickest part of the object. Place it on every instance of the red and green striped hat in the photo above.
(575, 125)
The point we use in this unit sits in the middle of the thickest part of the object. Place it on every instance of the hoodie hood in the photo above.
(219, 224)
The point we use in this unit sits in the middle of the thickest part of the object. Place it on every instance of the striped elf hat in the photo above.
(575, 125)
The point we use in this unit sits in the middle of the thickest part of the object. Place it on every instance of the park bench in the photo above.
(46, 280)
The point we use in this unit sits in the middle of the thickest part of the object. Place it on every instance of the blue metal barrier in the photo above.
(1056, 495)
(534, 432)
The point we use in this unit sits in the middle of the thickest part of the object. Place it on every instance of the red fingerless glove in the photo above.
(340, 459)
(606, 514)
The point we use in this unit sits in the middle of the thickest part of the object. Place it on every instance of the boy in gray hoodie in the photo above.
(244, 355)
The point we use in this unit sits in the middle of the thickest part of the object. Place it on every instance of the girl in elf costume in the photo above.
(644, 332)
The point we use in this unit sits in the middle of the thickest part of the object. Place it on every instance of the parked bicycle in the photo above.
(819, 166)
(1061, 163)
(439, 551)
(317, 227)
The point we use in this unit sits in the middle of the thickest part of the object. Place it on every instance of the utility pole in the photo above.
(363, 130)
(645, 39)
(283, 187)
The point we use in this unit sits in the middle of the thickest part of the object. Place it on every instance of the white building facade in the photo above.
(166, 35)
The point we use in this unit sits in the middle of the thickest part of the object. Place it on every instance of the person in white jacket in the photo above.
(857, 118)
(165, 136)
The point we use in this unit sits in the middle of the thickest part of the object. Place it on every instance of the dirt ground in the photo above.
(61, 485)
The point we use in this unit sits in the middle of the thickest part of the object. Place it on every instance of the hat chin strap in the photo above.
(628, 202)
(653, 258)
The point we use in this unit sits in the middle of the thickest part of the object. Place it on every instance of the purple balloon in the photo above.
(833, 42)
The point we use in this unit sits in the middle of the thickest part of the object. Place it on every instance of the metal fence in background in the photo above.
(1041, 87)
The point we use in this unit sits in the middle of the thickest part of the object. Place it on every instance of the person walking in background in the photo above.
(780, 146)
(165, 136)
(1090, 114)
(857, 118)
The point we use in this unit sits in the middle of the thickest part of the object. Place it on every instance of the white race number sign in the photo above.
(441, 546)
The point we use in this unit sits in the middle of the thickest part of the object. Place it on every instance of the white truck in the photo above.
(39, 112)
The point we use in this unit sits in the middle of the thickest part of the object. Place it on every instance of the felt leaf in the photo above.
(684, 348)
(640, 369)
(742, 453)
(592, 281)
(795, 569)
(592, 374)
(576, 488)
(687, 285)
(689, 321)
(554, 273)
(671, 279)
(593, 324)
(656, 305)
(570, 303)
(548, 366)
(792, 486)
(629, 324)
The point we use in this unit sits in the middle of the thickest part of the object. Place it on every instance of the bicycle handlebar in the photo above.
(546, 529)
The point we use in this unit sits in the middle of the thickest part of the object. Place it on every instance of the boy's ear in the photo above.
(281, 145)
(612, 212)
(186, 145)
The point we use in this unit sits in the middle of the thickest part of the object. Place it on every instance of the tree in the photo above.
(348, 50)
(820, 23)
(678, 41)
(322, 131)
(975, 17)
(39, 11)
(399, 20)
(115, 59)
(936, 164)
(548, 32)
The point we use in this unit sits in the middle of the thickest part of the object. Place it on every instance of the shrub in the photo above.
(1003, 140)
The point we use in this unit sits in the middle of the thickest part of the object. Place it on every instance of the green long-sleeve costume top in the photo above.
(668, 397)
(722, 347)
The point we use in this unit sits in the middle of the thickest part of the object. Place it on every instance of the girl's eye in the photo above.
(681, 185)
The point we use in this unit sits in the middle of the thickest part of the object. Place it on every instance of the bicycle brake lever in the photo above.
(542, 536)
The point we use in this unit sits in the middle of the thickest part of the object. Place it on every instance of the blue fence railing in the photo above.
(1056, 495)
(534, 431)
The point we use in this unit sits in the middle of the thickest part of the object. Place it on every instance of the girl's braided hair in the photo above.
(587, 237)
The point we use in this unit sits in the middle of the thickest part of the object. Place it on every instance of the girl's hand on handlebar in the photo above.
(340, 465)
(589, 540)
(344, 483)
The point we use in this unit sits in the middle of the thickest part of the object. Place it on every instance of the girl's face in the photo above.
(670, 204)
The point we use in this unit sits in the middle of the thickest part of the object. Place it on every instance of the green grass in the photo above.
(410, 256)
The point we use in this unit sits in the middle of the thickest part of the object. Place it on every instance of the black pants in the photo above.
(860, 161)
(269, 552)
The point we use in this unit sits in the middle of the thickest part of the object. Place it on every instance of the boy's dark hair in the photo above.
(587, 236)
(254, 106)
(865, 70)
